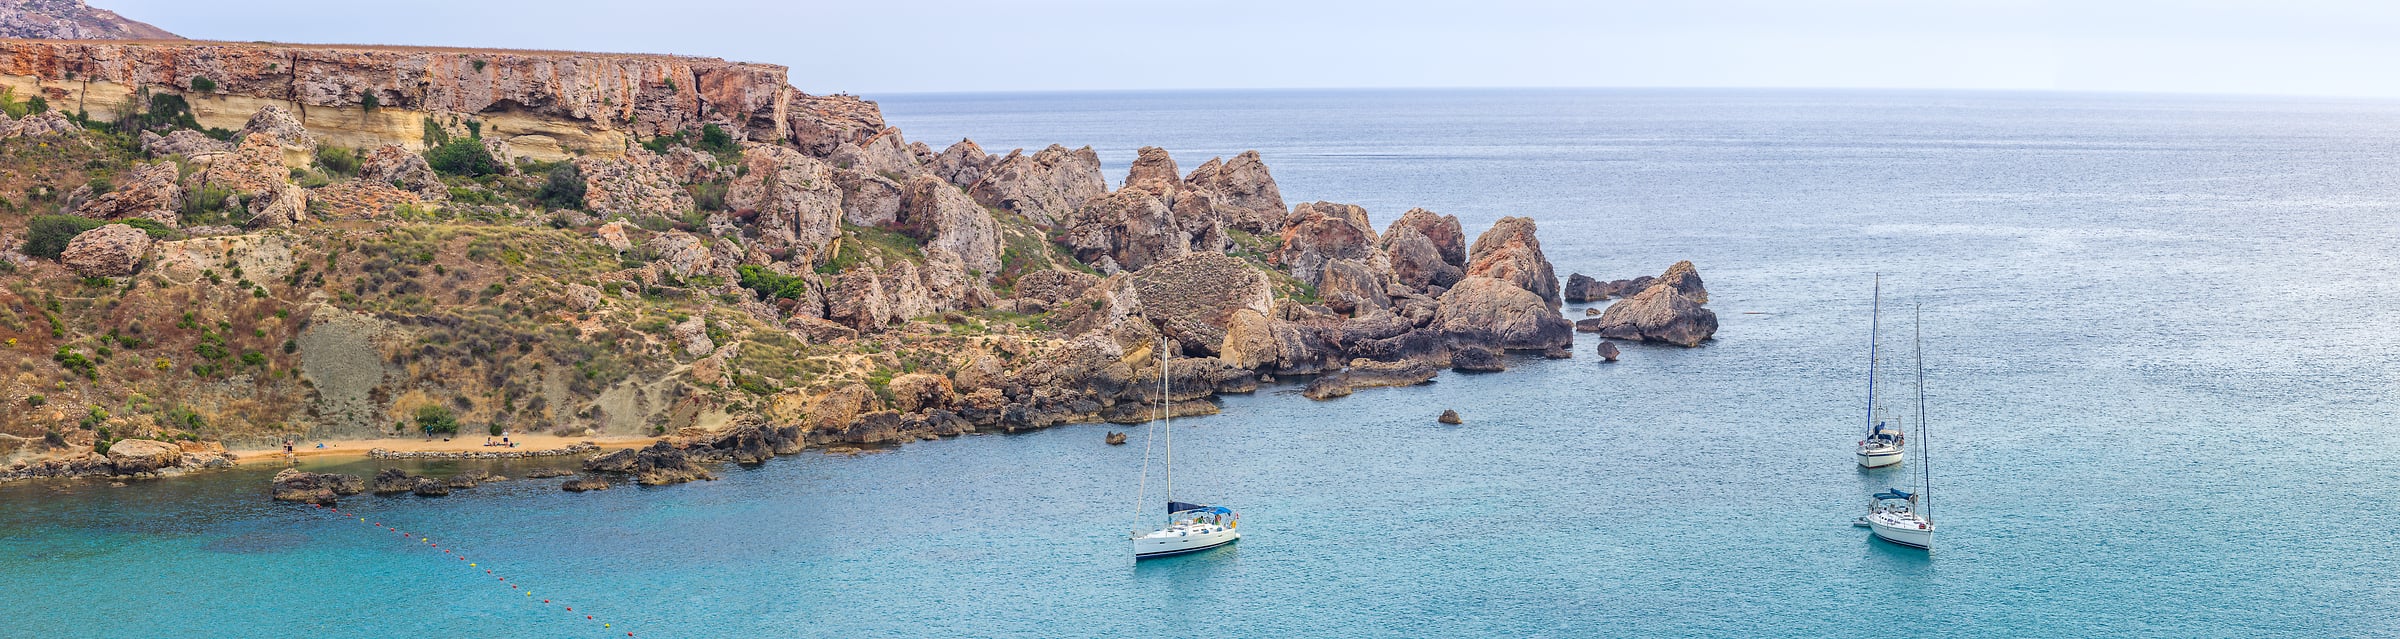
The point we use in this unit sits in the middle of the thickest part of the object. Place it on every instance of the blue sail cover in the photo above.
(1893, 493)
(1174, 507)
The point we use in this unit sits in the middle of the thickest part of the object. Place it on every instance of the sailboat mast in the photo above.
(1874, 327)
(1166, 416)
(1924, 448)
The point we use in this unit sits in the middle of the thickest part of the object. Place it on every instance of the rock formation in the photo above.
(1242, 192)
(1320, 232)
(1450, 417)
(114, 250)
(292, 484)
(1046, 187)
(1670, 311)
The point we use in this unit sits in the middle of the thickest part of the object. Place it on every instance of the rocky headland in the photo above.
(353, 242)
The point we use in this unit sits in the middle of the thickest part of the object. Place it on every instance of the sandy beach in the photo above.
(359, 447)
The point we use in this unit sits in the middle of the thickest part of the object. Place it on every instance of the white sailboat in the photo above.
(1190, 528)
(1898, 516)
(1885, 444)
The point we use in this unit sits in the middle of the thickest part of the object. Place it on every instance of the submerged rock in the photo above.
(584, 484)
(292, 484)
(393, 481)
(1115, 438)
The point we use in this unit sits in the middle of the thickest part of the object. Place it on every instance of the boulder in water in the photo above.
(1451, 417)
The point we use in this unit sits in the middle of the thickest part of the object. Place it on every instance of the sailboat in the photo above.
(1190, 528)
(1898, 516)
(1885, 444)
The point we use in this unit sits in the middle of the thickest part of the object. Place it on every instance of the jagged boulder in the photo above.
(1249, 340)
(945, 218)
(1685, 279)
(292, 484)
(1477, 359)
(1607, 351)
(661, 463)
(1046, 187)
(584, 484)
(113, 250)
(255, 166)
(1367, 373)
(278, 124)
(150, 191)
(858, 301)
(393, 481)
(131, 456)
(1582, 288)
(919, 391)
(395, 165)
(1664, 312)
(868, 199)
(1450, 417)
(183, 142)
(1195, 297)
(796, 199)
(1494, 313)
(44, 124)
(1242, 191)
(1327, 387)
(1352, 286)
(1509, 252)
(1442, 231)
(1129, 228)
(963, 164)
(1153, 171)
(280, 206)
(885, 153)
(1320, 232)
(641, 183)
(1417, 262)
(1053, 286)
(429, 487)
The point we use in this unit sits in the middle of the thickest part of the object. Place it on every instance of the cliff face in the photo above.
(71, 20)
(543, 105)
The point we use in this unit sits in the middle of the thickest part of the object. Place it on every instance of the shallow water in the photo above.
(2160, 367)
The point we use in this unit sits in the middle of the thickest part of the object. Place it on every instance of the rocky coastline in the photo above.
(746, 272)
(572, 449)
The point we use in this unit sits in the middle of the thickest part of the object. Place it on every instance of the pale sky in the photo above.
(2296, 47)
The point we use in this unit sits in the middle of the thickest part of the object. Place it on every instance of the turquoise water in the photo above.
(2161, 373)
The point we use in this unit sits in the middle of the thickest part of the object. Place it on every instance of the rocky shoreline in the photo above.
(573, 449)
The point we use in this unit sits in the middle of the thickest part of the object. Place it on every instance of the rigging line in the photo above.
(1874, 327)
(1924, 447)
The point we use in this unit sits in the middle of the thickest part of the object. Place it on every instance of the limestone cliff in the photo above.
(541, 104)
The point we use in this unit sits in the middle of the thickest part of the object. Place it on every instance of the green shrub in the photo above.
(367, 100)
(494, 429)
(463, 157)
(254, 358)
(770, 284)
(714, 139)
(153, 228)
(76, 363)
(36, 400)
(563, 188)
(202, 84)
(47, 235)
(436, 420)
(338, 160)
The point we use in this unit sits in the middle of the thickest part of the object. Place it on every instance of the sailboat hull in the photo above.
(1903, 531)
(1157, 545)
(1879, 458)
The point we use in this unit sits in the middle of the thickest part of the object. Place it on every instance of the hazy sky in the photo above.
(2307, 47)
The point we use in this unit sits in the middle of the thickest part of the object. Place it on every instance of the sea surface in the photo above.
(2159, 349)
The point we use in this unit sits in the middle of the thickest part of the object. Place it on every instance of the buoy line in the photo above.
(426, 540)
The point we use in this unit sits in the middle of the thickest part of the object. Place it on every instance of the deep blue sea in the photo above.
(2161, 352)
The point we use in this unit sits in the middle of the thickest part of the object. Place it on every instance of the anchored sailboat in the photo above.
(1898, 516)
(1190, 528)
(1885, 444)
